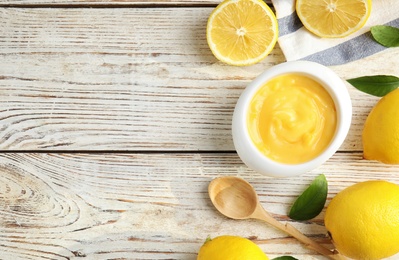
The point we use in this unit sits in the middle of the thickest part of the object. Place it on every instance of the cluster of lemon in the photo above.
(361, 221)
(244, 32)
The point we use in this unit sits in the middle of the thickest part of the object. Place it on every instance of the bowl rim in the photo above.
(336, 88)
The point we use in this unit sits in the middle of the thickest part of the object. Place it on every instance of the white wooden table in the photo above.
(115, 116)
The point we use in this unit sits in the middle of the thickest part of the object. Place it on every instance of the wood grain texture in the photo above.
(148, 206)
(127, 79)
(122, 79)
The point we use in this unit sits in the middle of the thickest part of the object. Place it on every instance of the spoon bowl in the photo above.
(237, 199)
(233, 198)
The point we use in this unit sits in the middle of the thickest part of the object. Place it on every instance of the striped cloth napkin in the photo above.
(299, 44)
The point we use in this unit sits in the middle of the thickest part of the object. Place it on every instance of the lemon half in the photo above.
(242, 32)
(333, 18)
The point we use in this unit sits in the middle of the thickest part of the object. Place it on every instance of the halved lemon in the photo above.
(333, 18)
(242, 32)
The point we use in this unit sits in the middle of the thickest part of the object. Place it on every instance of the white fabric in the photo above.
(297, 43)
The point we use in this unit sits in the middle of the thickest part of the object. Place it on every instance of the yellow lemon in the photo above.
(230, 248)
(241, 32)
(381, 130)
(363, 220)
(333, 18)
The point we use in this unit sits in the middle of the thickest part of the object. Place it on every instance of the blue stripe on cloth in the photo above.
(289, 24)
(357, 48)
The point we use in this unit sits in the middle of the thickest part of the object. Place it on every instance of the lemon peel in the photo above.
(380, 135)
(363, 220)
(232, 248)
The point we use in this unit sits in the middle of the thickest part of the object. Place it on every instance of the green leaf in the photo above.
(378, 85)
(387, 36)
(312, 200)
(285, 258)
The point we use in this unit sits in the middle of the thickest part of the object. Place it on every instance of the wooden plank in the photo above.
(148, 206)
(129, 79)
(21, 3)
(115, 3)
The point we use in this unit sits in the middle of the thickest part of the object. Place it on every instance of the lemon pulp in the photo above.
(242, 32)
(333, 18)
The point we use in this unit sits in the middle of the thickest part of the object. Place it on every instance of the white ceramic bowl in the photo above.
(256, 160)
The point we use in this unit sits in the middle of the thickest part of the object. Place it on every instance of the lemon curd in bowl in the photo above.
(291, 119)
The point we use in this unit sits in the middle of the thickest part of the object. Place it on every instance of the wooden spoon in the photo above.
(237, 199)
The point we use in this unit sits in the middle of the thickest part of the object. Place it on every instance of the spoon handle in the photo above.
(262, 214)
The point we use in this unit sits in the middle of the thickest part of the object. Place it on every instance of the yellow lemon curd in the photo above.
(291, 119)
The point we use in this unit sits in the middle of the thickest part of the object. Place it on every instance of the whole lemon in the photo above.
(230, 248)
(363, 220)
(381, 130)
